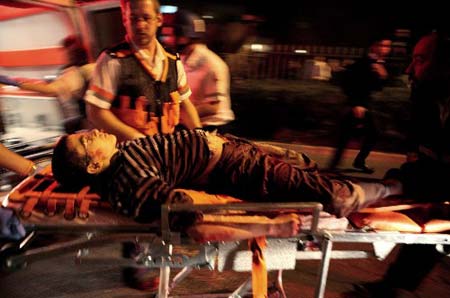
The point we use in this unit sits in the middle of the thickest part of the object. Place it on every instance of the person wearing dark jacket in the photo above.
(426, 173)
(360, 80)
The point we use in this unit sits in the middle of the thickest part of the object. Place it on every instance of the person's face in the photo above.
(383, 47)
(141, 21)
(422, 64)
(93, 146)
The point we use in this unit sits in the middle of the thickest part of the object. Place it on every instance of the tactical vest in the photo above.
(142, 102)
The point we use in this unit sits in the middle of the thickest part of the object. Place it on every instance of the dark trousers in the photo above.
(352, 128)
(246, 172)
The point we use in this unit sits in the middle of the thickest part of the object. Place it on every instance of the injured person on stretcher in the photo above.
(138, 176)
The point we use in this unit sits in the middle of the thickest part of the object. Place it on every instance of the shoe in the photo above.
(363, 167)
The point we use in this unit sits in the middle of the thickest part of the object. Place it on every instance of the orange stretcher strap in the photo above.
(259, 268)
(42, 190)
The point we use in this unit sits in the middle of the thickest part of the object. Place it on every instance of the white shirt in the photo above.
(208, 77)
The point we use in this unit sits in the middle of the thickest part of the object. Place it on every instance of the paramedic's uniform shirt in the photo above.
(143, 93)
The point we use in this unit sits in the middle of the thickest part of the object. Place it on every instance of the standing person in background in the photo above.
(360, 80)
(426, 173)
(207, 74)
(138, 88)
(69, 87)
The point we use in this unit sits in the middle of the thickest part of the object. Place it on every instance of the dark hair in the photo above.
(68, 168)
(155, 2)
(77, 51)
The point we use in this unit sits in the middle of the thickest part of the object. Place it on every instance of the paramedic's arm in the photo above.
(106, 120)
(188, 115)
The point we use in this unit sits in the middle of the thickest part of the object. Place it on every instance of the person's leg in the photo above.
(245, 172)
(368, 142)
(344, 135)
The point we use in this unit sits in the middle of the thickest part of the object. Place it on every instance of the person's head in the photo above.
(430, 59)
(141, 19)
(381, 47)
(79, 157)
(186, 28)
(76, 51)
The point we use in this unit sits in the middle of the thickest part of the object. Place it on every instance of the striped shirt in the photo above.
(145, 172)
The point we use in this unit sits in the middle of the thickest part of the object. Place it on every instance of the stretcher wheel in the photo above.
(144, 279)
(7, 250)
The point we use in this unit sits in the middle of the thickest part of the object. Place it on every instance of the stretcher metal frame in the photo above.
(215, 255)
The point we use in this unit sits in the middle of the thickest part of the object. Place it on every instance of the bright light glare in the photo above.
(301, 51)
(169, 9)
(256, 47)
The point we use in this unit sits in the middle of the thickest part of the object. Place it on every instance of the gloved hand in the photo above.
(10, 226)
(8, 81)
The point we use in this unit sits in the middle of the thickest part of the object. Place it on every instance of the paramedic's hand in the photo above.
(10, 226)
(8, 81)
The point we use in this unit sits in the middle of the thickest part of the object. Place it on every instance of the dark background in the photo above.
(329, 22)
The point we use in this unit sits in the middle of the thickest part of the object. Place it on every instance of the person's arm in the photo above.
(41, 87)
(15, 162)
(106, 120)
(189, 115)
(27, 84)
(231, 227)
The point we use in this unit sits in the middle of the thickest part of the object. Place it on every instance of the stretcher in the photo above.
(45, 208)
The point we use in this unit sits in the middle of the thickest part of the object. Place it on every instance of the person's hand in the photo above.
(359, 112)
(380, 70)
(8, 81)
(10, 226)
